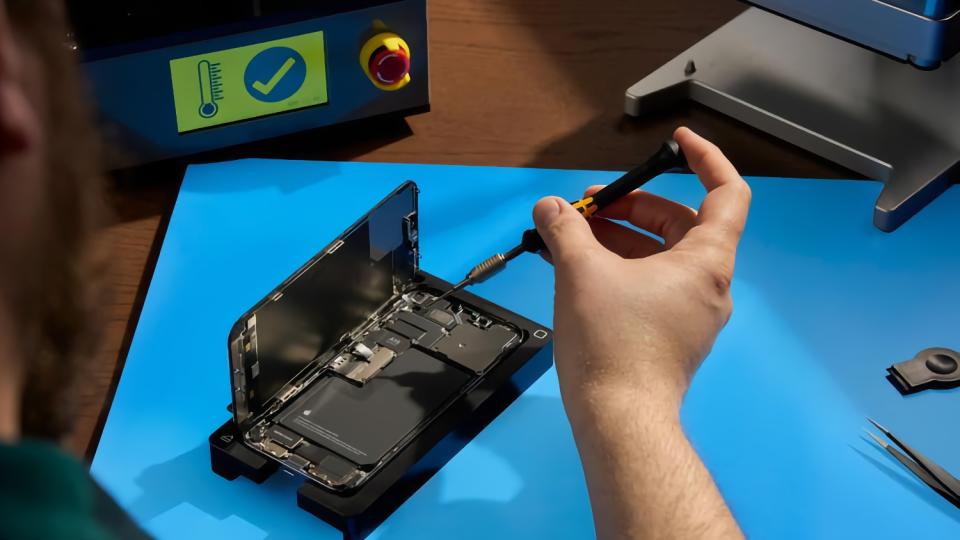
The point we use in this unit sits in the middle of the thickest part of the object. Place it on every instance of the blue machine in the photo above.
(175, 78)
(922, 32)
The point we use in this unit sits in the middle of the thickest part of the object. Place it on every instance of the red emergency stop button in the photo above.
(385, 59)
(390, 67)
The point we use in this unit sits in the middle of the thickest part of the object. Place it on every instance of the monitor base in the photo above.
(884, 119)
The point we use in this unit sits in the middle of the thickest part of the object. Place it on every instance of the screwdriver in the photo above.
(668, 157)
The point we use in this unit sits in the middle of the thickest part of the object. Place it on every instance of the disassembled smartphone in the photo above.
(352, 375)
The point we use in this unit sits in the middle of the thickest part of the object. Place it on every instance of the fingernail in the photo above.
(546, 210)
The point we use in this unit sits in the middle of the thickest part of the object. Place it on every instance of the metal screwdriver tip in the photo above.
(477, 274)
(487, 268)
(484, 271)
(445, 295)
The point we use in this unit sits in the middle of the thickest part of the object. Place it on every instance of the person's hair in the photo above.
(56, 308)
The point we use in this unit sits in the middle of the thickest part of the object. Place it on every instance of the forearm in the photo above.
(634, 319)
(644, 478)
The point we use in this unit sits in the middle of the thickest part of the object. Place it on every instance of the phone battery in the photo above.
(363, 423)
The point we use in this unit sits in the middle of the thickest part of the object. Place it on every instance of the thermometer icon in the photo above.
(211, 88)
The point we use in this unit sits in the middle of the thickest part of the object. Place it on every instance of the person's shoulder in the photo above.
(44, 493)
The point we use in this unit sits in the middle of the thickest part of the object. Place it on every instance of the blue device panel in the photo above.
(136, 92)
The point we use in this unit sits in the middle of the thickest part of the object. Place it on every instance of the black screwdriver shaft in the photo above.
(668, 157)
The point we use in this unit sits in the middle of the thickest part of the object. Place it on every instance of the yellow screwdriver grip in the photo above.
(585, 207)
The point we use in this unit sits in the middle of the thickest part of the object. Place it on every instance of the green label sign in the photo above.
(249, 82)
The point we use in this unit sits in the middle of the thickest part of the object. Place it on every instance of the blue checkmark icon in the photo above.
(275, 74)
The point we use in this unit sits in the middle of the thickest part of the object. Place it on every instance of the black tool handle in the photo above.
(668, 157)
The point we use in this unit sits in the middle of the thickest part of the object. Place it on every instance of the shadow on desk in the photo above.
(494, 487)
(615, 141)
(893, 469)
(149, 190)
(604, 47)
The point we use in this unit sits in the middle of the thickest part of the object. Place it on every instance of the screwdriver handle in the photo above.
(668, 157)
(532, 241)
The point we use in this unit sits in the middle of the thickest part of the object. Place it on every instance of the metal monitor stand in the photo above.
(882, 118)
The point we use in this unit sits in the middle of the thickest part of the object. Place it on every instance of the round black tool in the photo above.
(931, 368)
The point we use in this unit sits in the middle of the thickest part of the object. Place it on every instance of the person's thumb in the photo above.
(564, 231)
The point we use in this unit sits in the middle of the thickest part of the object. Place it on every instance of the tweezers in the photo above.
(926, 470)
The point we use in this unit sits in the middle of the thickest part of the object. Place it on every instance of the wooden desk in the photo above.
(535, 83)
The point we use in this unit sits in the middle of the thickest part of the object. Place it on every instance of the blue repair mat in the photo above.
(824, 303)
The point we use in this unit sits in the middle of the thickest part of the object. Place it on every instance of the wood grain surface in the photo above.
(535, 83)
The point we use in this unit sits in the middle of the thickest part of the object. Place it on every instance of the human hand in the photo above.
(634, 317)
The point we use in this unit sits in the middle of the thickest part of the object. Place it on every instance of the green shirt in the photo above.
(45, 494)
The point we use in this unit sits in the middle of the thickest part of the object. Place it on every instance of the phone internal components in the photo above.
(388, 339)
(443, 318)
(419, 330)
(284, 437)
(474, 348)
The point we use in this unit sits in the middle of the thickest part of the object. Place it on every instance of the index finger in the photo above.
(723, 213)
(665, 218)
